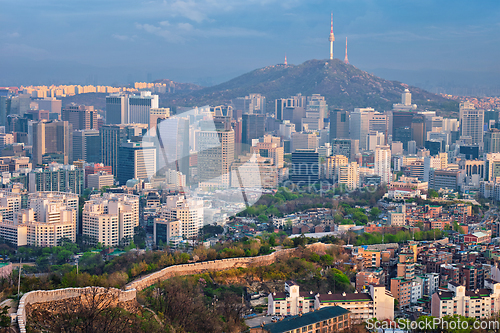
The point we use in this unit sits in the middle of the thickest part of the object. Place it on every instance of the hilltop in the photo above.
(343, 85)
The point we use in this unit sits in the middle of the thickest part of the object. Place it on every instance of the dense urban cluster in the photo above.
(405, 198)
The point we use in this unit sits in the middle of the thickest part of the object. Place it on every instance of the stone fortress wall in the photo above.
(40, 296)
(129, 294)
(206, 266)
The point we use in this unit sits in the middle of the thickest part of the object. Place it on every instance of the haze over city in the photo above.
(430, 43)
(259, 166)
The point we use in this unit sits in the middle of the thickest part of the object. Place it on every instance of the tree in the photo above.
(433, 193)
(374, 213)
(4, 317)
(263, 218)
(95, 310)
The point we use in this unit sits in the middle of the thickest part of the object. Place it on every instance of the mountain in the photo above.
(343, 85)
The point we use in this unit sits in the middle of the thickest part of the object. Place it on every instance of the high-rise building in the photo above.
(167, 232)
(137, 160)
(54, 216)
(110, 219)
(188, 211)
(87, 146)
(316, 110)
(492, 166)
(81, 117)
(93, 168)
(418, 132)
(292, 109)
(374, 139)
(339, 124)
(51, 104)
(360, 125)
(333, 163)
(52, 141)
(403, 135)
(251, 104)
(99, 180)
(173, 136)
(117, 109)
(471, 122)
(112, 136)
(349, 175)
(155, 116)
(271, 150)
(253, 127)
(287, 129)
(383, 163)
(305, 167)
(58, 178)
(304, 141)
(139, 107)
(405, 104)
(215, 156)
(175, 178)
(254, 171)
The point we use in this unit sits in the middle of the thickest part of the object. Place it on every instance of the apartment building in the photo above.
(188, 211)
(331, 319)
(377, 302)
(51, 216)
(456, 300)
(110, 219)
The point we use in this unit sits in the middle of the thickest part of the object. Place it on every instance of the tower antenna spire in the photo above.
(331, 38)
(285, 60)
(346, 61)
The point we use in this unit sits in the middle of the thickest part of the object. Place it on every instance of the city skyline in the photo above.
(163, 39)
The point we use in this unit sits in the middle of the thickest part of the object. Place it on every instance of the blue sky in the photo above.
(113, 41)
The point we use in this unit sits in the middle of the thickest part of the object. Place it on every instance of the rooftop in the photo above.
(306, 319)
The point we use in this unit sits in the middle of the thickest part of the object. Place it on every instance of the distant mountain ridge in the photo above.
(343, 85)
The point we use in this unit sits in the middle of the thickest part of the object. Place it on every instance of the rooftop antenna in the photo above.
(346, 61)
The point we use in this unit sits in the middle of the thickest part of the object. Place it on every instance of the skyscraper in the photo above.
(173, 136)
(471, 122)
(139, 107)
(87, 145)
(292, 109)
(52, 141)
(81, 117)
(364, 120)
(215, 156)
(339, 124)
(50, 104)
(305, 167)
(316, 110)
(117, 109)
(137, 161)
(251, 104)
(112, 137)
(253, 127)
(418, 132)
(383, 163)
(492, 141)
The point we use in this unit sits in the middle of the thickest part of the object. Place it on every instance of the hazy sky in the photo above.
(114, 41)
